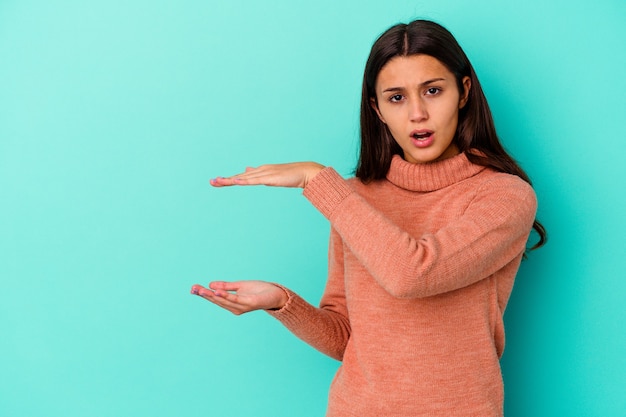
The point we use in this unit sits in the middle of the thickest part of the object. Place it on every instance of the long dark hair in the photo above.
(476, 133)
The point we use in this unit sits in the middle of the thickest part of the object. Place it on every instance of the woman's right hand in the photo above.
(243, 296)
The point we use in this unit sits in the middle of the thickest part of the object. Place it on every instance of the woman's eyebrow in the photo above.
(434, 80)
(427, 82)
(393, 89)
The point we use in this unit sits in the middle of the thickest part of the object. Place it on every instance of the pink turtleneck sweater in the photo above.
(421, 266)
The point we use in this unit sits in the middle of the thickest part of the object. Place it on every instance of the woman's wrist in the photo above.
(282, 299)
(312, 171)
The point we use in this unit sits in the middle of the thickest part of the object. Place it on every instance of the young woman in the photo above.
(425, 242)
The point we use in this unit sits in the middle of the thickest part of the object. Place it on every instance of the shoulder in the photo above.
(506, 193)
(493, 181)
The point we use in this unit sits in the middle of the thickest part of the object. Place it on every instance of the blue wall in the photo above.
(114, 115)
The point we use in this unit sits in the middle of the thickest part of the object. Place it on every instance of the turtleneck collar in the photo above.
(433, 175)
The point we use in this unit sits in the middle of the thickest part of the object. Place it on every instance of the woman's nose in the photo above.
(417, 110)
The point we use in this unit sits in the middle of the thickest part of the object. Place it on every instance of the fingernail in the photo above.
(194, 291)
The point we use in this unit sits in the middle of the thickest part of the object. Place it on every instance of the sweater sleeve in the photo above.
(492, 232)
(326, 328)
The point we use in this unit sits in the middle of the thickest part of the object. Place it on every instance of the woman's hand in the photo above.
(296, 174)
(243, 296)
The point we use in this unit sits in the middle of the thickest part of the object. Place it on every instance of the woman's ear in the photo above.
(467, 85)
(374, 105)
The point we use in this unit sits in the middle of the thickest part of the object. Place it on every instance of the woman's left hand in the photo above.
(296, 174)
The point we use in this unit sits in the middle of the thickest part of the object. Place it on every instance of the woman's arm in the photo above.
(491, 233)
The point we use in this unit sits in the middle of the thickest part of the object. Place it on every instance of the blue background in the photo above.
(114, 115)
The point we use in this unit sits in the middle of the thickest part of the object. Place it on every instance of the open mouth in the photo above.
(422, 138)
(421, 134)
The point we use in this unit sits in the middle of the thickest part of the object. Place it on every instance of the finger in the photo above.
(233, 179)
(221, 182)
(229, 298)
(254, 176)
(227, 182)
(268, 177)
(225, 300)
(222, 294)
(226, 286)
(210, 295)
(195, 289)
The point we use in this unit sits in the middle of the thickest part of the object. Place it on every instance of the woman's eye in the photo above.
(432, 91)
(395, 98)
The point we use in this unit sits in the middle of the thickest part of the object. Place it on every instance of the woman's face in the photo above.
(418, 99)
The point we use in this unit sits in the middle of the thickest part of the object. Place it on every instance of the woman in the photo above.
(425, 241)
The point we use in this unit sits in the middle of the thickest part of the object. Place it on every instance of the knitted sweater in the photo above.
(421, 266)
